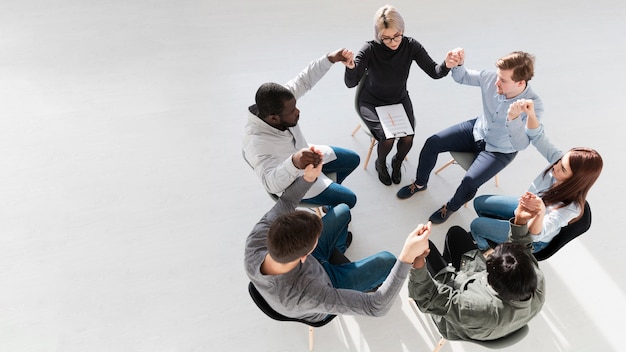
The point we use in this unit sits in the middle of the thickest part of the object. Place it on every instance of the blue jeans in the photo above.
(492, 223)
(336, 194)
(362, 275)
(459, 138)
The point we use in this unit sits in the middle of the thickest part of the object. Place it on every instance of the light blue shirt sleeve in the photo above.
(544, 146)
(464, 76)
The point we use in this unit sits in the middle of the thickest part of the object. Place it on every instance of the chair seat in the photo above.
(270, 312)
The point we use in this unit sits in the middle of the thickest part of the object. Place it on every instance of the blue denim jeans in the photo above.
(343, 166)
(492, 223)
(362, 275)
(459, 138)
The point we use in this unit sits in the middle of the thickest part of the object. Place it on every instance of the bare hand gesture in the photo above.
(416, 243)
(519, 106)
(306, 156)
(532, 202)
(342, 55)
(455, 57)
(528, 208)
(311, 173)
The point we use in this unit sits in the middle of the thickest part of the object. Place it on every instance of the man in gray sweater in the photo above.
(287, 259)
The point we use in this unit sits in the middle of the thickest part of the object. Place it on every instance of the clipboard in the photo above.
(394, 120)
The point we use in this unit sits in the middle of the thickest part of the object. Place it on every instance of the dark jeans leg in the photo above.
(434, 261)
(346, 162)
(458, 242)
(485, 166)
(454, 138)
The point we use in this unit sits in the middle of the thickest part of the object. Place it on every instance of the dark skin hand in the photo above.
(306, 156)
(342, 55)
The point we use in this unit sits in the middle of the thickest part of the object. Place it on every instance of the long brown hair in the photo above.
(586, 165)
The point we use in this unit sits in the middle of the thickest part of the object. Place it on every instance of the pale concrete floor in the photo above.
(125, 201)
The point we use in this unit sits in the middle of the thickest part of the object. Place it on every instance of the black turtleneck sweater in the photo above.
(388, 70)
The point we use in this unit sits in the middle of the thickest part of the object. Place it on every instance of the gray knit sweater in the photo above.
(306, 292)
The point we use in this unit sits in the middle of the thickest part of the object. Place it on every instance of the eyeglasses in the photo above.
(396, 39)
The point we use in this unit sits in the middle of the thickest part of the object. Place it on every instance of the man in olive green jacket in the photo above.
(479, 297)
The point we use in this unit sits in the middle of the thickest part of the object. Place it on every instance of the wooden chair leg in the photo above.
(369, 152)
(311, 339)
(444, 166)
(356, 129)
(440, 344)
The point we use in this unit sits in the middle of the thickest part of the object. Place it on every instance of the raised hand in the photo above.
(455, 57)
(517, 107)
(342, 55)
(416, 243)
(527, 208)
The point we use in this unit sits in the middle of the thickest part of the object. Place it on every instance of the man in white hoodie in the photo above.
(275, 147)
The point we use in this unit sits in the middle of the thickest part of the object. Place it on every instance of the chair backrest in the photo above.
(357, 95)
(270, 312)
(566, 234)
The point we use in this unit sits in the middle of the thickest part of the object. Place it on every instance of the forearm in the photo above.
(277, 176)
(307, 78)
(535, 225)
(462, 75)
(296, 190)
(353, 76)
(543, 145)
(431, 297)
(519, 233)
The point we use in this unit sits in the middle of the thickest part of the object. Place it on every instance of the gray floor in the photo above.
(125, 201)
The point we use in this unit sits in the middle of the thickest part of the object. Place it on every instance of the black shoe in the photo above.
(338, 258)
(396, 174)
(407, 191)
(441, 215)
(383, 173)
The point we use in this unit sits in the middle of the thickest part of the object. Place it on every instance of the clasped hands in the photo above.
(517, 107)
(528, 207)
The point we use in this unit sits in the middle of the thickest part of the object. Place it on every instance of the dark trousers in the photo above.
(458, 241)
(459, 138)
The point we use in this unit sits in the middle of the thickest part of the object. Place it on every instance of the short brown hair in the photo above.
(522, 64)
(293, 235)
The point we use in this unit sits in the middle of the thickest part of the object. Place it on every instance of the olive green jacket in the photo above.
(462, 303)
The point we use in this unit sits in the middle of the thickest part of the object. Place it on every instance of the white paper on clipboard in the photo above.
(394, 120)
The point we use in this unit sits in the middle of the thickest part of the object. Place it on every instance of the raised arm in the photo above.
(307, 78)
(536, 130)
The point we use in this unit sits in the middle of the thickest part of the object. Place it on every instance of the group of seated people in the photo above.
(472, 291)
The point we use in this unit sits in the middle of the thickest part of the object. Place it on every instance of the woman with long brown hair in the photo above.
(558, 193)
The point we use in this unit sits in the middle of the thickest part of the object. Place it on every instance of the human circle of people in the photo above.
(295, 258)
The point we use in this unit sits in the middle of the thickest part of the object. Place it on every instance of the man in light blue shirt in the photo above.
(494, 137)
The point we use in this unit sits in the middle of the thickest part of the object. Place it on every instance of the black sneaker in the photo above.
(348, 239)
(441, 215)
(407, 191)
(383, 173)
(396, 174)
